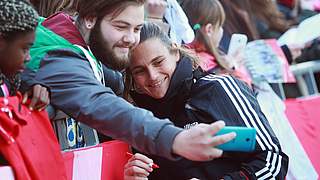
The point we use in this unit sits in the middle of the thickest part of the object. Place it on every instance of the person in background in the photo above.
(49, 7)
(270, 22)
(71, 57)
(16, 38)
(167, 80)
(240, 18)
(180, 30)
(155, 10)
(207, 19)
(169, 15)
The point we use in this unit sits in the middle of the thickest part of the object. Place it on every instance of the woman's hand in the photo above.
(39, 97)
(138, 167)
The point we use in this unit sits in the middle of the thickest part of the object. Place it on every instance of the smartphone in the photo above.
(245, 141)
(237, 42)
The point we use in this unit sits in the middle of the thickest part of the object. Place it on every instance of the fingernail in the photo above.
(31, 108)
(234, 134)
(220, 124)
(150, 166)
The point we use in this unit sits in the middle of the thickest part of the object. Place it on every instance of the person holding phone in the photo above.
(208, 29)
(167, 80)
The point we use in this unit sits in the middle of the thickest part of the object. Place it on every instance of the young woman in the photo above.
(27, 141)
(166, 80)
(207, 19)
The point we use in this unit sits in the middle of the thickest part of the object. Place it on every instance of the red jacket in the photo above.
(28, 143)
(208, 62)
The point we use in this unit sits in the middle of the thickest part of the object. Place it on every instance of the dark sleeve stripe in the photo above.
(241, 107)
(256, 119)
(244, 112)
(270, 173)
(248, 111)
(244, 108)
(274, 167)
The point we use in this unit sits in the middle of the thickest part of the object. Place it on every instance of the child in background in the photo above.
(207, 18)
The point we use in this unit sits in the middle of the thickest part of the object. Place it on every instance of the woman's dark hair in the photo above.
(268, 12)
(239, 18)
(153, 31)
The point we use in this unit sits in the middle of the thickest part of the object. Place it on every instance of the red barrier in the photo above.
(105, 161)
(28, 143)
(304, 116)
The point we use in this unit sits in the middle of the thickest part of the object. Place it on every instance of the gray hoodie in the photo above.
(76, 91)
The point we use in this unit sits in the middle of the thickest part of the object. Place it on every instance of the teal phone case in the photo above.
(245, 141)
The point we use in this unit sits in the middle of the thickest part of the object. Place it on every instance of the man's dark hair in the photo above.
(101, 8)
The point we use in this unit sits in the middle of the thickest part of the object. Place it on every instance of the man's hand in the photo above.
(199, 142)
(39, 97)
(137, 167)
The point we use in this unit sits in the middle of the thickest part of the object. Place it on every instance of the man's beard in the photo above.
(103, 52)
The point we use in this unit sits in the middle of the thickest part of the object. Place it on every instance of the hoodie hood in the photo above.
(55, 32)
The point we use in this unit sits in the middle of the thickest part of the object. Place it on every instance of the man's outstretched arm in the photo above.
(75, 91)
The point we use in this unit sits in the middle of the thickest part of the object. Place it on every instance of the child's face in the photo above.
(152, 66)
(14, 53)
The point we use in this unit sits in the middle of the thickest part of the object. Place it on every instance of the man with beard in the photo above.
(84, 81)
